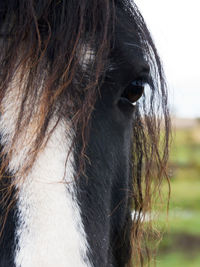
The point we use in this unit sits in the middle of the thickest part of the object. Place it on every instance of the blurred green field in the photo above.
(180, 246)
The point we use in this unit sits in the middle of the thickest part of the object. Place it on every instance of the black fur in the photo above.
(104, 193)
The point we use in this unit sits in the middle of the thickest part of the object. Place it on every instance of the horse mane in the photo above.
(43, 49)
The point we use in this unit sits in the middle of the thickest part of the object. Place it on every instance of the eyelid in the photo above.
(144, 78)
(138, 83)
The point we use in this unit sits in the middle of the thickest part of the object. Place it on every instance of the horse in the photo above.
(83, 100)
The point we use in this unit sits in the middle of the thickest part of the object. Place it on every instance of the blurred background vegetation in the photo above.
(180, 246)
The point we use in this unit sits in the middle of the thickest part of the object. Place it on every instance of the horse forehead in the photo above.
(129, 44)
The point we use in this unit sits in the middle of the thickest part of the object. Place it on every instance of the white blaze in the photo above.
(50, 232)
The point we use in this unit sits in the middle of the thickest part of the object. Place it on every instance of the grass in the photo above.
(181, 243)
(185, 195)
(178, 259)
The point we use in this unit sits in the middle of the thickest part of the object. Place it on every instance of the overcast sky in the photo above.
(175, 27)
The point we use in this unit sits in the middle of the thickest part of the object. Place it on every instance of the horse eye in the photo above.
(133, 91)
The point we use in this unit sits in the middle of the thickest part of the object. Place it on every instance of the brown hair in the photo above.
(42, 45)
